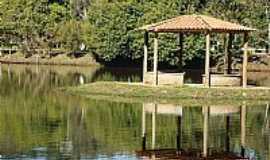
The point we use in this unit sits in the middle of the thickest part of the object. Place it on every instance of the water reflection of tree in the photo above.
(50, 118)
(39, 80)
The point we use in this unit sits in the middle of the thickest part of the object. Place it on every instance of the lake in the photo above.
(37, 121)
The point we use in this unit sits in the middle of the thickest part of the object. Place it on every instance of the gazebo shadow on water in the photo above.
(196, 24)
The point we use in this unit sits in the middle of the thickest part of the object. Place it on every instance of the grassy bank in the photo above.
(19, 58)
(191, 95)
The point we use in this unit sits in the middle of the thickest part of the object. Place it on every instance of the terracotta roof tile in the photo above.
(195, 23)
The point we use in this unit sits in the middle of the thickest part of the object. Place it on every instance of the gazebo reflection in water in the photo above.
(205, 152)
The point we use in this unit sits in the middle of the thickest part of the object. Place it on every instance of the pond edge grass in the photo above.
(138, 93)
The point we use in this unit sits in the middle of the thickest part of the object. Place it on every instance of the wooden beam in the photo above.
(156, 59)
(180, 53)
(145, 57)
(207, 61)
(245, 61)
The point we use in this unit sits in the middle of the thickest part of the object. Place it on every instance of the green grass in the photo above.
(115, 91)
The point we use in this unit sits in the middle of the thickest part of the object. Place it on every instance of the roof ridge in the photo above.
(200, 17)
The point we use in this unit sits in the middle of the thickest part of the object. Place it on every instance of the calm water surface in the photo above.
(38, 122)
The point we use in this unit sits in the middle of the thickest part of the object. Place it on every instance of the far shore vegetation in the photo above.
(136, 92)
(106, 30)
(61, 59)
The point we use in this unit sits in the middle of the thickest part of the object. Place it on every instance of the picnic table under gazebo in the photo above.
(206, 25)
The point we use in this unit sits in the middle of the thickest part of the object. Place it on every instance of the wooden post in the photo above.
(180, 54)
(9, 52)
(205, 130)
(245, 61)
(227, 53)
(243, 128)
(145, 57)
(207, 61)
(268, 20)
(143, 128)
(156, 59)
(269, 38)
(231, 38)
(154, 127)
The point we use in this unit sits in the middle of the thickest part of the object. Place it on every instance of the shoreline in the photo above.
(87, 60)
(50, 63)
(74, 62)
(82, 61)
(136, 92)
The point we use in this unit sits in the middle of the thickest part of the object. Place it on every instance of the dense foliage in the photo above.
(107, 28)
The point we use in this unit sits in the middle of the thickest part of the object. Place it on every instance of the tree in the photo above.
(108, 28)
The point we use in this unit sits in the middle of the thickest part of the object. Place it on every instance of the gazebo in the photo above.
(196, 24)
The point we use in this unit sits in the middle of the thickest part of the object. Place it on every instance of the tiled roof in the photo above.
(195, 23)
